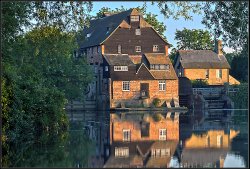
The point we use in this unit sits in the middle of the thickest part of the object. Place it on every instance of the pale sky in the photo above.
(172, 25)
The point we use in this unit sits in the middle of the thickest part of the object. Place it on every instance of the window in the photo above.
(207, 73)
(138, 48)
(88, 35)
(219, 141)
(134, 18)
(219, 73)
(208, 141)
(155, 48)
(157, 67)
(162, 134)
(167, 67)
(119, 49)
(98, 49)
(121, 152)
(106, 68)
(138, 32)
(162, 85)
(125, 86)
(120, 68)
(152, 67)
(126, 135)
(162, 67)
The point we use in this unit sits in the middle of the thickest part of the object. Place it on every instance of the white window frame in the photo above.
(121, 151)
(120, 68)
(129, 134)
(219, 140)
(162, 85)
(137, 31)
(155, 48)
(219, 73)
(167, 67)
(106, 68)
(125, 85)
(119, 49)
(134, 18)
(137, 48)
(162, 134)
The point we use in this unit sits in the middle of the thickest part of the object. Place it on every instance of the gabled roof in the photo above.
(118, 59)
(156, 58)
(203, 59)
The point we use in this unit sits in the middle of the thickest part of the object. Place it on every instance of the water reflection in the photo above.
(139, 139)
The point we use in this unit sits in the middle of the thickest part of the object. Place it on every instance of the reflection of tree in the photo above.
(68, 149)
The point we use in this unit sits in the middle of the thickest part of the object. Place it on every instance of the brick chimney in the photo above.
(218, 47)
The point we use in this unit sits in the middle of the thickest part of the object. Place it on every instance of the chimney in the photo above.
(218, 47)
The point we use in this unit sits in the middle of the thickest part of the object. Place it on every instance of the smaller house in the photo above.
(137, 80)
(208, 65)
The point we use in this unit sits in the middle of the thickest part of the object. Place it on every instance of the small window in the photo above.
(162, 134)
(125, 86)
(152, 67)
(138, 49)
(219, 73)
(126, 135)
(207, 73)
(157, 67)
(119, 49)
(167, 67)
(134, 18)
(162, 67)
(121, 152)
(155, 48)
(120, 68)
(138, 32)
(162, 85)
(219, 141)
(106, 68)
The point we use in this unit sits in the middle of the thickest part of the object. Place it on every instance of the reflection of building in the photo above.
(207, 148)
(142, 140)
(144, 127)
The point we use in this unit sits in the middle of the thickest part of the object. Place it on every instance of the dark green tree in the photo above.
(228, 19)
(195, 39)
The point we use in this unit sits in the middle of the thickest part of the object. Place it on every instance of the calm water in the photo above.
(142, 139)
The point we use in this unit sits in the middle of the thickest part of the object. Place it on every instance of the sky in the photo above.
(171, 24)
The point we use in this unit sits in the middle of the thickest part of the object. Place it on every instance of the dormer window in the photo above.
(108, 29)
(138, 49)
(137, 31)
(119, 49)
(155, 48)
(134, 18)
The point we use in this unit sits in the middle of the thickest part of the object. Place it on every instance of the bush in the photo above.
(199, 83)
(156, 102)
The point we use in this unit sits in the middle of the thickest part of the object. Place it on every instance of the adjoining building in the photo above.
(208, 65)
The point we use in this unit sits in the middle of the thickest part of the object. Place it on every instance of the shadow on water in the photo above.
(215, 138)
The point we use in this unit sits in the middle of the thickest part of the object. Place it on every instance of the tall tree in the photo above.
(228, 19)
(195, 39)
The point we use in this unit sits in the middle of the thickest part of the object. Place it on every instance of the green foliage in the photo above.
(199, 83)
(228, 19)
(195, 39)
(156, 102)
(240, 99)
(239, 68)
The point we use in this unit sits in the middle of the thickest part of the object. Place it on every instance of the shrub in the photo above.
(199, 83)
(157, 117)
(156, 102)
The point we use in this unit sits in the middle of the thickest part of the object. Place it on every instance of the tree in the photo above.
(228, 19)
(195, 39)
